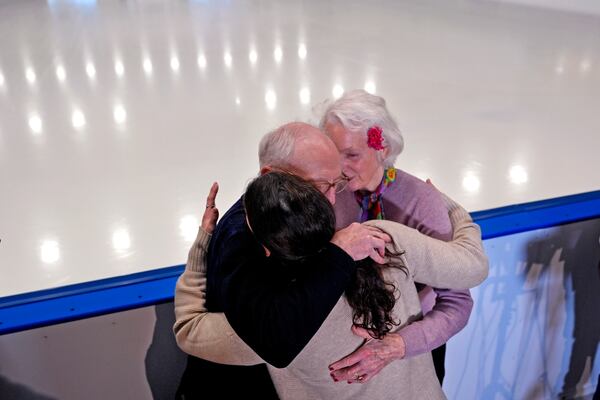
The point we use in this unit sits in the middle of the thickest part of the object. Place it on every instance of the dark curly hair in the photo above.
(372, 298)
(295, 221)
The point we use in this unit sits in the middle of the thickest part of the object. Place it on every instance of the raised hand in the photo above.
(211, 213)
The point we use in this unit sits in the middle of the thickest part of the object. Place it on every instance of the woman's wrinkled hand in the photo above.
(368, 359)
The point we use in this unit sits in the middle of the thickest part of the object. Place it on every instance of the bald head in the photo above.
(294, 145)
(303, 150)
(313, 150)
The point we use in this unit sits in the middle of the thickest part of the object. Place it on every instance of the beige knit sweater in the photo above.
(458, 264)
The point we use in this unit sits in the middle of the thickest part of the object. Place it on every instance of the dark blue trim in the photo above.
(131, 280)
(524, 217)
(89, 299)
(73, 302)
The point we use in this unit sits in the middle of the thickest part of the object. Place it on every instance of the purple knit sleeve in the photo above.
(419, 205)
(429, 213)
(422, 207)
(449, 316)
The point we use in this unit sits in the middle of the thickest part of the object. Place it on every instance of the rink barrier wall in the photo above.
(84, 300)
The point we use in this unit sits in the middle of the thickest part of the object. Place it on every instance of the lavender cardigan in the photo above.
(416, 204)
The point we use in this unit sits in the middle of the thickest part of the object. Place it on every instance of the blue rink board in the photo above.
(89, 299)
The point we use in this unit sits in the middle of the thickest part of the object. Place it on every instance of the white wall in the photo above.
(127, 355)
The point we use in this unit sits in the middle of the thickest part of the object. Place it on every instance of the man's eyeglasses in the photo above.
(324, 186)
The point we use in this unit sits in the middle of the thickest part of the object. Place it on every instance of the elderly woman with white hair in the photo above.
(369, 142)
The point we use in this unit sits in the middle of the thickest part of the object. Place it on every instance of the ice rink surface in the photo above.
(115, 116)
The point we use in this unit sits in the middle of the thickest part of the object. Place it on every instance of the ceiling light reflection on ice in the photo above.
(119, 68)
(271, 99)
(77, 119)
(518, 175)
(175, 64)
(30, 75)
(227, 59)
(338, 91)
(50, 251)
(35, 123)
(202, 61)
(302, 51)
(253, 57)
(305, 95)
(147, 66)
(471, 183)
(188, 227)
(90, 70)
(278, 54)
(121, 240)
(370, 87)
(119, 114)
(61, 73)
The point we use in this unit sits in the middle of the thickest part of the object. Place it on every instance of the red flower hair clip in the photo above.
(375, 138)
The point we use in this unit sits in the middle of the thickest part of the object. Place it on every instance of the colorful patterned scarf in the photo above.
(370, 203)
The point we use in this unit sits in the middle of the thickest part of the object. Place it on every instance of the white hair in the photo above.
(276, 147)
(358, 111)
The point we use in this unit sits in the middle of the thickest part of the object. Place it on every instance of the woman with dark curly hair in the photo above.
(290, 219)
(293, 222)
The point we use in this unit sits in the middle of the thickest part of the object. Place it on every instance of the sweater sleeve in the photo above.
(458, 264)
(430, 214)
(197, 332)
(452, 308)
(448, 317)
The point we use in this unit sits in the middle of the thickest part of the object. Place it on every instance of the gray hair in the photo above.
(358, 111)
(277, 146)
